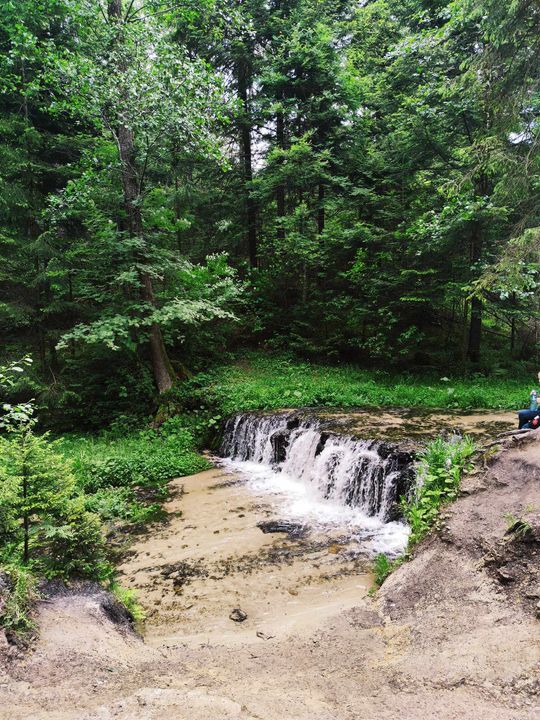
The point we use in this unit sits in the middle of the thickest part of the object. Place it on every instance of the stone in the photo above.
(238, 615)
(506, 574)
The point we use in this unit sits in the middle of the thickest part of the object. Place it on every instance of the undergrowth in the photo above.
(125, 476)
(439, 471)
(19, 597)
(128, 598)
(268, 383)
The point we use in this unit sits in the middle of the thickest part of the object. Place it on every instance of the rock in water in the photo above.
(293, 530)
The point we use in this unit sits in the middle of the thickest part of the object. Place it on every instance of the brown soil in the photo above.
(453, 634)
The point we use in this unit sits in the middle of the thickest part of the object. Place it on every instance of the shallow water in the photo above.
(296, 501)
(212, 556)
(326, 481)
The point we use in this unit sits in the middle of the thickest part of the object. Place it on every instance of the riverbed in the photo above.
(211, 558)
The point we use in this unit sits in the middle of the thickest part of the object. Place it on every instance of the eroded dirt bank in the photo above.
(453, 634)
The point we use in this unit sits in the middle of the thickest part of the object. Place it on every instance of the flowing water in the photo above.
(322, 479)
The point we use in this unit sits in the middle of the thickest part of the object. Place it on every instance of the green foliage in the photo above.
(519, 527)
(389, 212)
(441, 465)
(258, 382)
(146, 459)
(21, 594)
(382, 569)
(96, 389)
(43, 524)
(124, 477)
(128, 598)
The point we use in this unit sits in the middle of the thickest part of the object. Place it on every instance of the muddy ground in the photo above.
(411, 427)
(455, 633)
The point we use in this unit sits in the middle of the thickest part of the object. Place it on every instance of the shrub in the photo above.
(126, 477)
(43, 524)
(75, 548)
(143, 460)
(439, 472)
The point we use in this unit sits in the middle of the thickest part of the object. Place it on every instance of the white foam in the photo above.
(300, 502)
(318, 478)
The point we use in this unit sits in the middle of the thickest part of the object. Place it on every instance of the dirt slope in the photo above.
(453, 634)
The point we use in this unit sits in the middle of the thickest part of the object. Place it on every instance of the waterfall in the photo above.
(369, 475)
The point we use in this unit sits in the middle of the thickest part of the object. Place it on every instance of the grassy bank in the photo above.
(125, 477)
(265, 383)
(440, 469)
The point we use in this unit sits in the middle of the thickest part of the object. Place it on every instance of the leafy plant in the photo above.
(439, 472)
(382, 569)
(125, 477)
(128, 598)
(16, 615)
(517, 526)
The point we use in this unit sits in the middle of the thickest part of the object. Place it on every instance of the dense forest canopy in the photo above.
(349, 181)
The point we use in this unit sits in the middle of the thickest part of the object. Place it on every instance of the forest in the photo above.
(214, 207)
(342, 181)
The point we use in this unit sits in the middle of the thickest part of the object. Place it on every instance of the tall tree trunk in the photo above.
(243, 82)
(475, 330)
(321, 217)
(280, 192)
(513, 327)
(26, 518)
(475, 326)
(161, 365)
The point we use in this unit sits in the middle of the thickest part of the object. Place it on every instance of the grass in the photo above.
(268, 383)
(439, 471)
(125, 477)
(128, 598)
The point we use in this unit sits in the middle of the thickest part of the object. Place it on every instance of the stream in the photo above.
(283, 528)
(321, 480)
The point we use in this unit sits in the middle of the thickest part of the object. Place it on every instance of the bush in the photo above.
(143, 460)
(126, 477)
(439, 472)
(74, 549)
(43, 524)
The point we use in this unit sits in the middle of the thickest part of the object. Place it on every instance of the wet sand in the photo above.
(211, 558)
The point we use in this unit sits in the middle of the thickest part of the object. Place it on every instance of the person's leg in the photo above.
(525, 416)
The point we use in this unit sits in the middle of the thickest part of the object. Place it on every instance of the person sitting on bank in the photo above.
(526, 418)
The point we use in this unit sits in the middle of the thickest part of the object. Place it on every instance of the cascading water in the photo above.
(327, 478)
